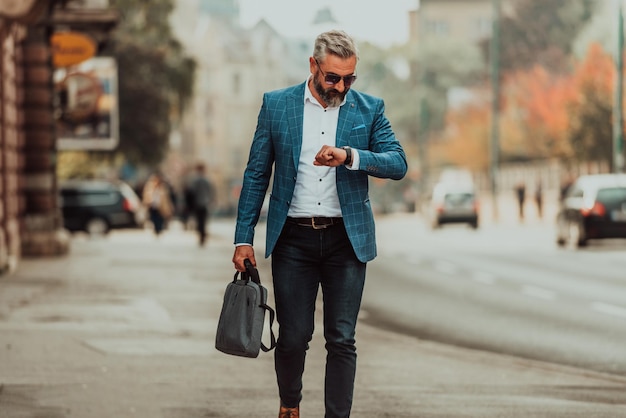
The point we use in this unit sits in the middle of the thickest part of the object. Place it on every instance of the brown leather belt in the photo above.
(316, 222)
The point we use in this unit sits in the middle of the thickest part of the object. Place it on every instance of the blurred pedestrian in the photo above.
(187, 210)
(157, 198)
(200, 195)
(539, 199)
(566, 184)
(322, 141)
(520, 191)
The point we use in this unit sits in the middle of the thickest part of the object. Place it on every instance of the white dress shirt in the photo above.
(315, 193)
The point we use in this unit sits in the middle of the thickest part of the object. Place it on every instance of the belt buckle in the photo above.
(323, 226)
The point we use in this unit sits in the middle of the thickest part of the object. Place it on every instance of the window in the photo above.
(437, 27)
(612, 197)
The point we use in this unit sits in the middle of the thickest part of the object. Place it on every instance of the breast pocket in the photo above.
(359, 136)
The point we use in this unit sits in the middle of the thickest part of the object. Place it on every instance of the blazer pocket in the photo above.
(358, 127)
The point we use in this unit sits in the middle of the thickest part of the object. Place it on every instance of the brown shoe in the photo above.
(289, 412)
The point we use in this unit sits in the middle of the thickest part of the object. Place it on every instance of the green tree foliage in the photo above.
(542, 32)
(155, 78)
(443, 65)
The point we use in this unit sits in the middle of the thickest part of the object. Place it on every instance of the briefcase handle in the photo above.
(251, 272)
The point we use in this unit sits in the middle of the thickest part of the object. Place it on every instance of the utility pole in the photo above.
(423, 135)
(618, 106)
(495, 105)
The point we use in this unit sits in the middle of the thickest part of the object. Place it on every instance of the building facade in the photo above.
(456, 20)
(235, 66)
(30, 220)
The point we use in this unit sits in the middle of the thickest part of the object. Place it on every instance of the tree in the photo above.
(441, 66)
(590, 111)
(542, 32)
(535, 117)
(464, 142)
(155, 78)
(543, 116)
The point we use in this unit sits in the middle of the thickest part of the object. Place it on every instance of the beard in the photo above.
(331, 97)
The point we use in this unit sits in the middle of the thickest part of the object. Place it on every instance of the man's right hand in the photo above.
(241, 253)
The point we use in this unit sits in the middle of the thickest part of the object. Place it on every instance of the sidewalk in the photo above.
(124, 327)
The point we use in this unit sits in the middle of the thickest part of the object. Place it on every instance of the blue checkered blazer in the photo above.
(276, 146)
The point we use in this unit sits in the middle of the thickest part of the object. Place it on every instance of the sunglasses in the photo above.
(332, 79)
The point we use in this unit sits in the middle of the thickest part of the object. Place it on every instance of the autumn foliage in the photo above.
(543, 115)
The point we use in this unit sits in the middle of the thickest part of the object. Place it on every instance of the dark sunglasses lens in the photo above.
(332, 78)
(347, 81)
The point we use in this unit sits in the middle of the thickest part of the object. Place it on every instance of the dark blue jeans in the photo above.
(303, 260)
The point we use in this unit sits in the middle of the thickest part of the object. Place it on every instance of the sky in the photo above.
(380, 22)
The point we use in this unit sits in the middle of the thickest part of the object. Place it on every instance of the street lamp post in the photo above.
(618, 115)
(495, 105)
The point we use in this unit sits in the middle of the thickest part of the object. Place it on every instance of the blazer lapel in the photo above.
(346, 121)
(295, 112)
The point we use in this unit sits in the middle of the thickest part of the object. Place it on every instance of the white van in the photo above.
(453, 202)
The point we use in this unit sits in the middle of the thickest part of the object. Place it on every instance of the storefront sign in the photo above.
(86, 107)
(71, 48)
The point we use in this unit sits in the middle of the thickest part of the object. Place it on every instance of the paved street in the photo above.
(124, 327)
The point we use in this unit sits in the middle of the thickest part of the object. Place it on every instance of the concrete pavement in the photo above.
(124, 327)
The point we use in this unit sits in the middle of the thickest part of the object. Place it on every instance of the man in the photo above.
(200, 197)
(322, 141)
(520, 191)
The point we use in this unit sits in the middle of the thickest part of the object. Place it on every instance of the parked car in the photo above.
(594, 207)
(453, 203)
(97, 206)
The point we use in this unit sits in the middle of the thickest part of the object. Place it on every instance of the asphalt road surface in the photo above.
(503, 288)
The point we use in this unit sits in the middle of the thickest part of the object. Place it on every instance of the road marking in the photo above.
(483, 277)
(609, 309)
(538, 292)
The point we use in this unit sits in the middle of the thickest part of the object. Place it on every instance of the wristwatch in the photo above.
(348, 155)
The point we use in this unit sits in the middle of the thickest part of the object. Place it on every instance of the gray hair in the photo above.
(335, 42)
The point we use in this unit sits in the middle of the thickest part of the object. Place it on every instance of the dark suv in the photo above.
(594, 207)
(97, 206)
